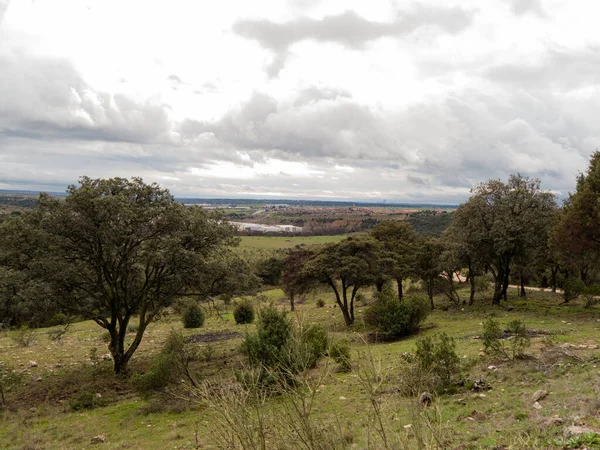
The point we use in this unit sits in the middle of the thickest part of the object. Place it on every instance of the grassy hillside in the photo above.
(45, 410)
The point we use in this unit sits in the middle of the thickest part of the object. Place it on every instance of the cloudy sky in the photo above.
(399, 100)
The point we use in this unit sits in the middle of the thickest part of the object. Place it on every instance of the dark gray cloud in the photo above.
(454, 142)
(46, 98)
(558, 68)
(348, 29)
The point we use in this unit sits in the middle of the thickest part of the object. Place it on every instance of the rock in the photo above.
(32, 364)
(100, 439)
(408, 426)
(552, 421)
(342, 398)
(38, 379)
(98, 395)
(33, 409)
(425, 399)
(492, 368)
(539, 395)
(576, 430)
(537, 405)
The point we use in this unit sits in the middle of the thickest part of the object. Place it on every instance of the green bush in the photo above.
(394, 317)
(278, 350)
(320, 303)
(193, 317)
(171, 365)
(340, 352)
(85, 400)
(243, 312)
(58, 319)
(437, 355)
(494, 341)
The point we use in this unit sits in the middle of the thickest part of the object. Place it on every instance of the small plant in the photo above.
(437, 355)
(394, 317)
(520, 415)
(58, 319)
(226, 299)
(320, 303)
(24, 336)
(9, 378)
(170, 365)
(340, 352)
(85, 400)
(193, 317)
(510, 343)
(243, 312)
(58, 333)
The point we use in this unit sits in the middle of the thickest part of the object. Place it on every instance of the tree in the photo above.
(115, 248)
(294, 281)
(399, 241)
(428, 265)
(504, 221)
(269, 270)
(576, 236)
(345, 267)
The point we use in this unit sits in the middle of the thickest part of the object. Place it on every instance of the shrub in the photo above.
(58, 319)
(85, 400)
(278, 351)
(193, 317)
(243, 312)
(394, 317)
(320, 303)
(273, 331)
(573, 287)
(24, 336)
(340, 352)
(495, 343)
(437, 355)
(170, 365)
(226, 299)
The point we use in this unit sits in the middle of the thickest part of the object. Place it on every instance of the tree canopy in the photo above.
(115, 248)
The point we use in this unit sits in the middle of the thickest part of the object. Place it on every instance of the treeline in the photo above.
(509, 232)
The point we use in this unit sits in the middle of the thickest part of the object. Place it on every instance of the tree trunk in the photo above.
(554, 272)
(498, 284)
(522, 292)
(400, 292)
(379, 285)
(505, 284)
(430, 291)
(471, 278)
(292, 306)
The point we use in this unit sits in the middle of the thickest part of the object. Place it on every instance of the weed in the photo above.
(516, 334)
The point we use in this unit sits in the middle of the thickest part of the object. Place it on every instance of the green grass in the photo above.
(506, 416)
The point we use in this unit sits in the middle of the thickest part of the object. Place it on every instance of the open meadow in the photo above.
(68, 397)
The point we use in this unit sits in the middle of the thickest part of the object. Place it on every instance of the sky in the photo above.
(401, 101)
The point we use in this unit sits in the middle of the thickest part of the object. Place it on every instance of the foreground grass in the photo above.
(40, 414)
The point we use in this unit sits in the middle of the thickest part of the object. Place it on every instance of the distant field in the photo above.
(279, 242)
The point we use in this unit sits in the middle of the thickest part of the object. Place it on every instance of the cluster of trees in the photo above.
(119, 250)
(512, 232)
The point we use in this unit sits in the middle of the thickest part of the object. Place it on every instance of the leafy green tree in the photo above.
(501, 222)
(400, 242)
(114, 249)
(269, 270)
(294, 281)
(428, 265)
(576, 236)
(345, 267)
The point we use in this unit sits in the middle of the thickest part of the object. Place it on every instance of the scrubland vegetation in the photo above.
(131, 321)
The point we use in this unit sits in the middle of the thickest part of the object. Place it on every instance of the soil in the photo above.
(213, 337)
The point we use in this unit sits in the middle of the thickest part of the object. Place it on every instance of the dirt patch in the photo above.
(213, 337)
